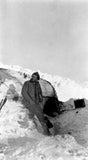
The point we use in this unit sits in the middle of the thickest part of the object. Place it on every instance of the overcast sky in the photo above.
(47, 35)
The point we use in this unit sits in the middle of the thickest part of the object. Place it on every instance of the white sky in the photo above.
(50, 36)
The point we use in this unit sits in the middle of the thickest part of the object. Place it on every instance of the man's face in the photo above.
(34, 78)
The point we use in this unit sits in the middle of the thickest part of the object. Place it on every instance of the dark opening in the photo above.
(79, 103)
(52, 107)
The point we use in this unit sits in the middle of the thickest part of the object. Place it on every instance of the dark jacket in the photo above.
(31, 92)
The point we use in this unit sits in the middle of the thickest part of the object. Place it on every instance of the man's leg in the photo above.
(37, 110)
(40, 116)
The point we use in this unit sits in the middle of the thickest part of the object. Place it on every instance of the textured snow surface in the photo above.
(47, 148)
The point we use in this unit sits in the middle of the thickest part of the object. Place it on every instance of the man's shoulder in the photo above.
(27, 82)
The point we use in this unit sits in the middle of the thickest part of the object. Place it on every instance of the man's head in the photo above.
(35, 76)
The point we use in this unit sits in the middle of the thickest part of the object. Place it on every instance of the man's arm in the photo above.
(40, 94)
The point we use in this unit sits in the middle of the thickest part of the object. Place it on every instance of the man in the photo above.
(32, 99)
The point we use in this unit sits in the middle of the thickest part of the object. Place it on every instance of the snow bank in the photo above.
(14, 121)
(75, 123)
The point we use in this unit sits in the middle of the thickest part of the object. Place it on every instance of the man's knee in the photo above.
(40, 116)
(30, 114)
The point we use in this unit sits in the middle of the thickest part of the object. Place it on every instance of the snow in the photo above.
(49, 148)
(22, 139)
(11, 116)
